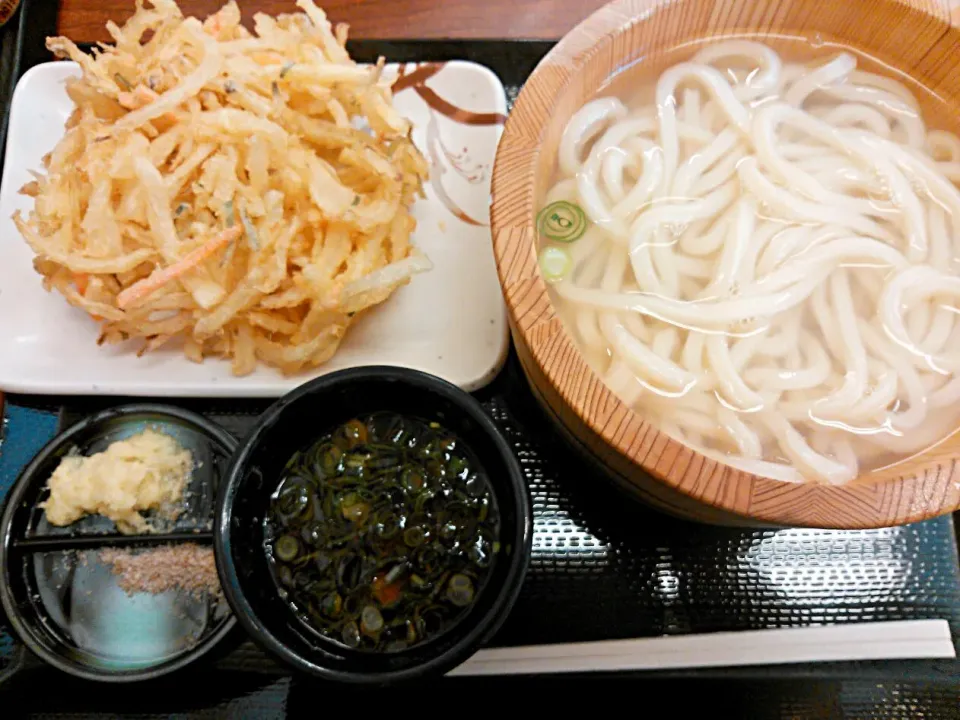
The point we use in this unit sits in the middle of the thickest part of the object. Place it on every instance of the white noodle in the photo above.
(771, 267)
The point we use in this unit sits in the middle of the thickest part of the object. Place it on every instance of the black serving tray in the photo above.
(603, 566)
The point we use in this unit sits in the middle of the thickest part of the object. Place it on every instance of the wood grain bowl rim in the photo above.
(913, 31)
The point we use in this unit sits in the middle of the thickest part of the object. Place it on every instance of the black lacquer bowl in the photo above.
(294, 422)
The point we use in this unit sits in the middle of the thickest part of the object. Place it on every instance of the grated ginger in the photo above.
(145, 472)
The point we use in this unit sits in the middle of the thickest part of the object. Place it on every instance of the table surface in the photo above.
(84, 20)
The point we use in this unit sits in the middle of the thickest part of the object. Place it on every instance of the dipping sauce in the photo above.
(382, 534)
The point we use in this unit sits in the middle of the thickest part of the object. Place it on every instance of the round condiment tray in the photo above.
(102, 619)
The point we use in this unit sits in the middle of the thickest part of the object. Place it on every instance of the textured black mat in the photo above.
(603, 567)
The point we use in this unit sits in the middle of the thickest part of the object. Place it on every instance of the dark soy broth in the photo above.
(382, 534)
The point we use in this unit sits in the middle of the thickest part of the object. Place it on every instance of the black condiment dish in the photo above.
(65, 604)
(296, 421)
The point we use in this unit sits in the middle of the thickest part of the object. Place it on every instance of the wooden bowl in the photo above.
(916, 37)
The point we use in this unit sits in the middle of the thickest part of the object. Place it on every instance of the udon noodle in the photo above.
(761, 257)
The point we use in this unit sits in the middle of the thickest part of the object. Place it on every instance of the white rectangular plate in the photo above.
(449, 322)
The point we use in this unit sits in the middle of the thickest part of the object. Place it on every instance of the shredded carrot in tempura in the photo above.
(159, 278)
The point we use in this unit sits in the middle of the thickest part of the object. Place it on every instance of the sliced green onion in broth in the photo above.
(562, 221)
(555, 263)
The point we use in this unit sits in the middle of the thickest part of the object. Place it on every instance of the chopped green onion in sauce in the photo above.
(286, 548)
(382, 533)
